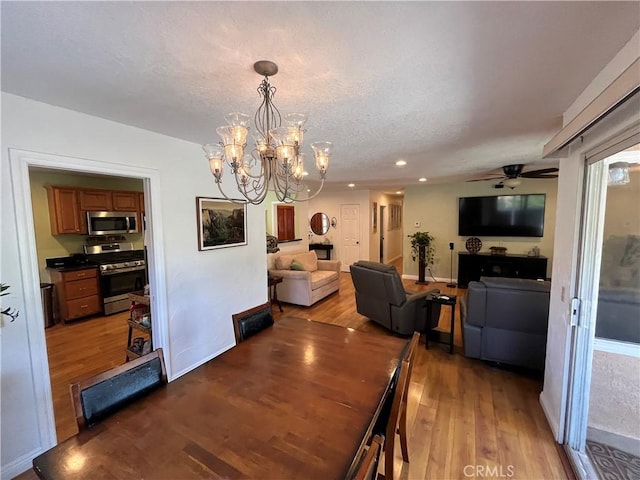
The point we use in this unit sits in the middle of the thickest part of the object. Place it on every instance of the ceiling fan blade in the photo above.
(486, 179)
(535, 173)
(540, 176)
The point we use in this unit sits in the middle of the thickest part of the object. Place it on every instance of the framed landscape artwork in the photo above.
(221, 223)
(374, 217)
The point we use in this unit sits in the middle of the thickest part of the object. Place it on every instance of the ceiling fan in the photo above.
(512, 175)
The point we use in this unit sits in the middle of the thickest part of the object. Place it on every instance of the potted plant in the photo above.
(422, 248)
(9, 312)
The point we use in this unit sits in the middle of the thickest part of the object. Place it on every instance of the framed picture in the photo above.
(395, 216)
(221, 223)
(374, 217)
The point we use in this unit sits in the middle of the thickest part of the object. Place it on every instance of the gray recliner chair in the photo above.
(505, 320)
(381, 297)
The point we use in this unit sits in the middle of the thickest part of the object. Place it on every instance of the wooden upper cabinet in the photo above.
(286, 222)
(125, 201)
(68, 206)
(95, 200)
(64, 211)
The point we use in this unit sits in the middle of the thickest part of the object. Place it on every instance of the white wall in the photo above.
(329, 202)
(203, 288)
(435, 208)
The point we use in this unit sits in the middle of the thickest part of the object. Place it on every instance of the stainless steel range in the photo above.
(122, 271)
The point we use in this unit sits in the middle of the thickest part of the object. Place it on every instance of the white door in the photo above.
(350, 227)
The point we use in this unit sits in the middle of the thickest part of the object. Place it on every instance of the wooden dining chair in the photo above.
(409, 357)
(252, 321)
(368, 468)
(392, 421)
(394, 413)
(101, 395)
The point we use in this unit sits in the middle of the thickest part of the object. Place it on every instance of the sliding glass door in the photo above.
(603, 427)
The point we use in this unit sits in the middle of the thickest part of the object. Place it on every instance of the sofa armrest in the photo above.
(292, 274)
(329, 265)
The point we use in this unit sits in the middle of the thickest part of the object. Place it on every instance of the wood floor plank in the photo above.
(461, 411)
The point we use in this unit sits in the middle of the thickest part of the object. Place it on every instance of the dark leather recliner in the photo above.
(505, 320)
(381, 297)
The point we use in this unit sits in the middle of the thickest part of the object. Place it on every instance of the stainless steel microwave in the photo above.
(111, 223)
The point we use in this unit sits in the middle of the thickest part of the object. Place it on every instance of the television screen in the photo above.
(502, 216)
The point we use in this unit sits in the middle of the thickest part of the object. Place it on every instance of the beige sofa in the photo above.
(314, 279)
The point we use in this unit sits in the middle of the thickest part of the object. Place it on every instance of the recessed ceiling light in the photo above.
(398, 192)
(308, 189)
(351, 185)
(304, 174)
(401, 163)
(422, 179)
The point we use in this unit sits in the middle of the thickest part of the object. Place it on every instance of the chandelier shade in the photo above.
(277, 162)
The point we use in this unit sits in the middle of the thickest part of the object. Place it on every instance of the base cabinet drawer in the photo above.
(79, 274)
(81, 288)
(81, 307)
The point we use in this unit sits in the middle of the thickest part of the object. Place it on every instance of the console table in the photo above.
(473, 266)
(323, 247)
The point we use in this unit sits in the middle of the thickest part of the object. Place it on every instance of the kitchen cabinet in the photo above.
(125, 201)
(64, 211)
(68, 206)
(78, 293)
(95, 200)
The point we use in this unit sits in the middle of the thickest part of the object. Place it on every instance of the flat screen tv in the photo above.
(502, 216)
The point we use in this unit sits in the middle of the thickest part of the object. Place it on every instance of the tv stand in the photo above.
(473, 266)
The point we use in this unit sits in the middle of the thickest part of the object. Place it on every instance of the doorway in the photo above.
(85, 341)
(605, 373)
(21, 162)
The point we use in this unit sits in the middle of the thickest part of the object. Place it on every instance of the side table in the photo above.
(273, 281)
(435, 335)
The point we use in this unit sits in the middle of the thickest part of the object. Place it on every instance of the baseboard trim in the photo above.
(19, 465)
(626, 444)
(205, 360)
(429, 279)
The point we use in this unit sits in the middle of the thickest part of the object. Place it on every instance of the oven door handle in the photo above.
(122, 270)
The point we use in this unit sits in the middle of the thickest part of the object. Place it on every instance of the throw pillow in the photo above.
(283, 261)
(309, 260)
(296, 265)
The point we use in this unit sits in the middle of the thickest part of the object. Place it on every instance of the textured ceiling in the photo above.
(456, 89)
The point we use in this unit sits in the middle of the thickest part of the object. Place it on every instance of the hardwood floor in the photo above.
(80, 350)
(466, 419)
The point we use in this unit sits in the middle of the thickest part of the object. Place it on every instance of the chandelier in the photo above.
(276, 163)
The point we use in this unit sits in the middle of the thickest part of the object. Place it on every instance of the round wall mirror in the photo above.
(320, 223)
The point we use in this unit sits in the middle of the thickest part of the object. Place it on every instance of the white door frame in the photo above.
(20, 162)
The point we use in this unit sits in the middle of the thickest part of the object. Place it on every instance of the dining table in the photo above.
(296, 401)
